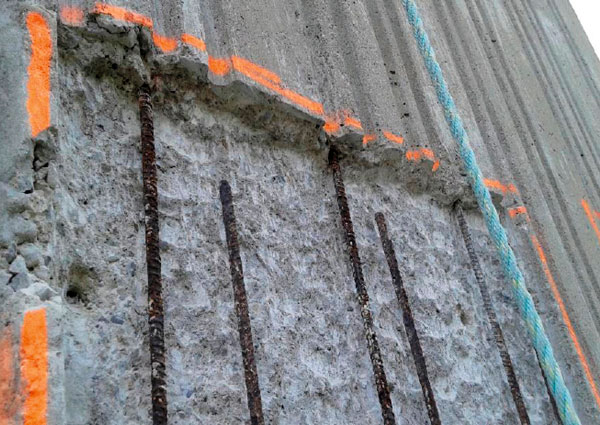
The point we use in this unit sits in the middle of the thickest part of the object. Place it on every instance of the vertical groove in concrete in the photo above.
(516, 105)
(241, 307)
(155, 302)
(491, 313)
(383, 390)
(409, 323)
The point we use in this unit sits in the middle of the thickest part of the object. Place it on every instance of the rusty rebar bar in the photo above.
(381, 383)
(241, 307)
(409, 323)
(155, 301)
(491, 313)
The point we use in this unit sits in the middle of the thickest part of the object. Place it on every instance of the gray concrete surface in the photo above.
(72, 231)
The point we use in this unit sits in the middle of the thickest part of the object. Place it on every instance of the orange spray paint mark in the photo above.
(166, 44)
(303, 101)
(38, 71)
(513, 212)
(418, 154)
(368, 138)
(34, 367)
(71, 15)
(495, 184)
(353, 122)
(393, 138)
(195, 42)
(590, 216)
(123, 14)
(252, 70)
(7, 379)
(331, 127)
(566, 318)
(219, 66)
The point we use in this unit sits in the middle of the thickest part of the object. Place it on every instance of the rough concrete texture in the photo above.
(72, 223)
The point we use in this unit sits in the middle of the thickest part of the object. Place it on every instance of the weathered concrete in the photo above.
(72, 228)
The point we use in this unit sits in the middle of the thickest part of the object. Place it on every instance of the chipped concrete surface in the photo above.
(72, 228)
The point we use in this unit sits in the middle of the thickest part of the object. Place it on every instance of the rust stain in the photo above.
(72, 15)
(219, 66)
(368, 138)
(7, 379)
(195, 42)
(122, 14)
(590, 216)
(566, 318)
(38, 72)
(393, 138)
(166, 44)
(34, 367)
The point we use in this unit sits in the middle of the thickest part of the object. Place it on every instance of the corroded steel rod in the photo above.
(409, 323)
(491, 313)
(381, 383)
(155, 302)
(241, 307)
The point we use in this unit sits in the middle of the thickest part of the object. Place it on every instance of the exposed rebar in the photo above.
(383, 390)
(491, 313)
(241, 307)
(409, 323)
(155, 301)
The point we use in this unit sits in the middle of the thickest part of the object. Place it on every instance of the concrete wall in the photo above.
(255, 93)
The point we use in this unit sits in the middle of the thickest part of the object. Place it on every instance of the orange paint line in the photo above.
(38, 71)
(393, 138)
(513, 212)
(195, 42)
(331, 127)
(71, 15)
(303, 101)
(219, 66)
(436, 165)
(34, 367)
(566, 318)
(590, 216)
(495, 184)
(123, 14)
(597, 214)
(417, 154)
(352, 122)
(250, 69)
(7, 379)
(368, 138)
(166, 44)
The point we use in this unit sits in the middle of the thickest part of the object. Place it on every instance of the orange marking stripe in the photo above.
(7, 379)
(513, 212)
(34, 367)
(38, 71)
(166, 44)
(393, 138)
(196, 42)
(219, 66)
(303, 101)
(417, 154)
(590, 216)
(352, 122)
(252, 70)
(436, 165)
(123, 14)
(495, 184)
(72, 15)
(368, 138)
(566, 318)
(331, 127)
